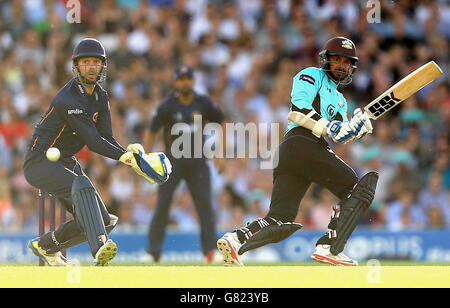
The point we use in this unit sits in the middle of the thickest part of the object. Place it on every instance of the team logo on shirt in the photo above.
(347, 44)
(95, 117)
(330, 110)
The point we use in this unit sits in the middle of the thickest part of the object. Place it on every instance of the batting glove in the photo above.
(360, 123)
(340, 131)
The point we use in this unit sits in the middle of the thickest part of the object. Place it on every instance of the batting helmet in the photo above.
(339, 46)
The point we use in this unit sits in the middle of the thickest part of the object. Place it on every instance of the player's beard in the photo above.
(83, 78)
(90, 81)
(341, 77)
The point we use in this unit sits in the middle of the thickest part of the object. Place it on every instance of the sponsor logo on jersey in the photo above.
(74, 111)
(307, 78)
(81, 89)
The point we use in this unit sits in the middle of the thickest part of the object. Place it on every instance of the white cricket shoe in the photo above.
(322, 254)
(60, 260)
(229, 245)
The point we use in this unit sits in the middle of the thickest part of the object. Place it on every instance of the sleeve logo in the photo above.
(307, 78)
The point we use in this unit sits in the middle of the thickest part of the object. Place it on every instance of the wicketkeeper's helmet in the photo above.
(89, 47)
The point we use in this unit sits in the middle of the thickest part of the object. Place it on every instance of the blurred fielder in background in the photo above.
(305, 157)
(79, 115)
(181, 106)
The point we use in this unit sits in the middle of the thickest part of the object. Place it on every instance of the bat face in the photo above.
(403, 89)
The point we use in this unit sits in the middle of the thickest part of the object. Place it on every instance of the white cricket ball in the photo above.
(53, 154)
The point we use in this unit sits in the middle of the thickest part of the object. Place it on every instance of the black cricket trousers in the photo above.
(196, 173)
(56, 178)
(304, 159)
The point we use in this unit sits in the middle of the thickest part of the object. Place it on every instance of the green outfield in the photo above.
(285, 275)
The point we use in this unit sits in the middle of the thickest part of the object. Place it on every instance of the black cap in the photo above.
(182, 70)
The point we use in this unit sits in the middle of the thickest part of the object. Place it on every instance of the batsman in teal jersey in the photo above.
(305, 157)
(313, 91)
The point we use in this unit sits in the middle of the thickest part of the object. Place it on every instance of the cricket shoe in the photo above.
(229, 245)
(322, 254)
(51, 259)
(105, 253)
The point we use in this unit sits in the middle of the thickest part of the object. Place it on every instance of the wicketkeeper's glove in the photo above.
(155, 167)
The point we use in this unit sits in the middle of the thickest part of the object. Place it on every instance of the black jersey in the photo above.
(171, 111)
(75, 119)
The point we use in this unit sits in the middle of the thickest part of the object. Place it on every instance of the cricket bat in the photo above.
(389, 99)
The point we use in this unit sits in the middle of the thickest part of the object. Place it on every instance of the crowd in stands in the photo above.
(245, 54)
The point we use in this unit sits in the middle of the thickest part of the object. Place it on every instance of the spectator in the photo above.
(224, 209)
(183, 214)
(143, 211)
(404, 213)
(322, 211)
(6, 202)
(434, 199)
(406, 176)
(435, 217)
(245, 53)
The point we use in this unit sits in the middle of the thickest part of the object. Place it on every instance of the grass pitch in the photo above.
(286, 275)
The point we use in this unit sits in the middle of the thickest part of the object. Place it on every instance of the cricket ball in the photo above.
(53, 154)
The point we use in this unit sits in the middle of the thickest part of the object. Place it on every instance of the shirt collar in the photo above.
(83, 92)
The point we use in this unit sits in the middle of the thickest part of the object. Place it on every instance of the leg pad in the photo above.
(87, 213)
(352, 209)
(270, 234)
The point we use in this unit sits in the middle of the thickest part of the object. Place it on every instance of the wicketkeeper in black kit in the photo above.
(79, 115)
(180, 107)
(304, 157)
